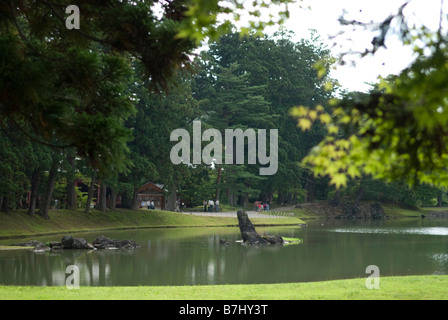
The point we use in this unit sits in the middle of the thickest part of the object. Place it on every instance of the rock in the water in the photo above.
(275, 239)
(67, 241)
(250, 236)
(56, 246)
(247, 229)
(79, 243)
(103, 242)
(41, 248)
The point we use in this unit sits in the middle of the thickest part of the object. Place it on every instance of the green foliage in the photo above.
(210, 19)
(397, 131)
(12, 165)
(81, 198)
(68, 88)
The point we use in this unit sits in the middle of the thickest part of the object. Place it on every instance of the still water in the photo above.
(189, 256)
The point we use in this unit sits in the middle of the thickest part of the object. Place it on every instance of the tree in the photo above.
(49, 187)
(253, 82)
(69, 83)
(12, 169)
(70, 203)
(158, 114)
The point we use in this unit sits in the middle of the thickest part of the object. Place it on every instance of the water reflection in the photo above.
(439, 231)
(190, 256)
(441, 263)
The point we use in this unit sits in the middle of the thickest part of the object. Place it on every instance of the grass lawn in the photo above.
(391, 210)
(391, 288)
(19, 224)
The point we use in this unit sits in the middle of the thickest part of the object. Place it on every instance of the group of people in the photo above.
(148, 204)
(210, 205)
(261, 206)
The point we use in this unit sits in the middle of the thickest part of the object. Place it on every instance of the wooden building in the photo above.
(152, 192)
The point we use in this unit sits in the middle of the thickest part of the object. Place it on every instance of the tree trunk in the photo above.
(102, 201)
(246, 200)
(113, 199)
(90, 193)
(281, 198)
(125, 202)
(310, 190)
(218, 183)
(71, 191)
(171, 199)
(439, 199)
(46, 199)
(294, 198)
(35, 178)
(5, 204)
(134, 203)
(359, 196)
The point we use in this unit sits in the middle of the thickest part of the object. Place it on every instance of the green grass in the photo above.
(390, 209)
(397, 211)
(290, 241)
(19, 224)
(391, 288)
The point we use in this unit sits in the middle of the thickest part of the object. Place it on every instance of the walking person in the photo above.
(210, 205)
(204, 203)
(217, 205)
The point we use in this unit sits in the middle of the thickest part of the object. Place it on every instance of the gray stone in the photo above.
(41, 248)
(250, 236)
(247, 230)
(103, 242)
(67, 241)
(79, 243)
(275, 239)
(56, 245)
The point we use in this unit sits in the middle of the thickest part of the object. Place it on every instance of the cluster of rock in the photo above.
(250, 236)
(345, 209)
(69, 242)
(350, 210)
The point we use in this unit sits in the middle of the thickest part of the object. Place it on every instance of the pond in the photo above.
(192, 256)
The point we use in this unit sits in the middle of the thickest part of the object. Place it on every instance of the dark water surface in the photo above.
(188, 256)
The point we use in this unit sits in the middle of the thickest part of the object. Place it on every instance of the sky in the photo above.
(323, 16)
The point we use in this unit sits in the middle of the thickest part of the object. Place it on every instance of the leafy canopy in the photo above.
(399, 129)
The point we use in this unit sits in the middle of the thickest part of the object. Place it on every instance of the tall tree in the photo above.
(47, 197)
(158, 114)
(254, 82)
(69, 82)
(70, 203)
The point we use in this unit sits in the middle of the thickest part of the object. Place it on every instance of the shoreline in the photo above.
(19, 225)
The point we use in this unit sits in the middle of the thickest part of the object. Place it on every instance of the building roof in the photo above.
(156, 186)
